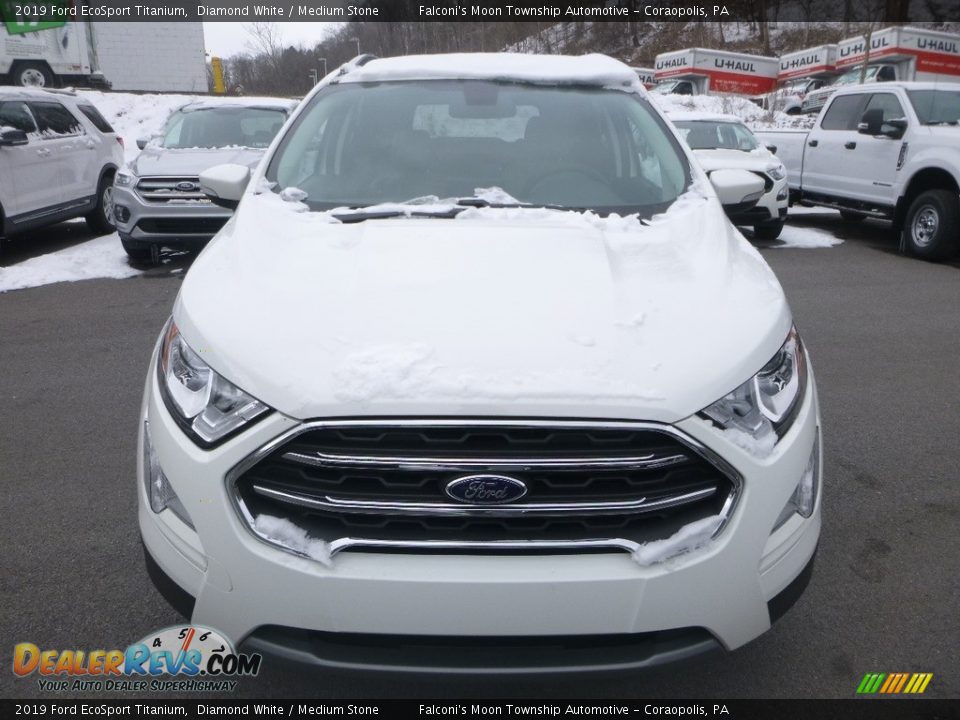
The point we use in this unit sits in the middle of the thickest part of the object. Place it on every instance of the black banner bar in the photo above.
(854, 709)
(532, 11)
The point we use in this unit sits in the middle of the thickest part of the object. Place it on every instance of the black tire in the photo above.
(852, 216)
(932, 225)
(768, 230)
(136, 251)
(793, 111)
(100, 219)
(32, 74)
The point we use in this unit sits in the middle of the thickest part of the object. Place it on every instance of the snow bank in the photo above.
(795, 236)
(732, 105)
(102, 257)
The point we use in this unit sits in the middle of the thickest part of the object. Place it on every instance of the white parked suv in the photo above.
(723, 142)
(58, 156)
(480, 378)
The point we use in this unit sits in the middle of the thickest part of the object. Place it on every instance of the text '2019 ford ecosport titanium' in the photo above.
(480, 378)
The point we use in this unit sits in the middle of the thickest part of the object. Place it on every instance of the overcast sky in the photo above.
(224, 39)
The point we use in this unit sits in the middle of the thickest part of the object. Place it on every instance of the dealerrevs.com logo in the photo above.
(198, 658)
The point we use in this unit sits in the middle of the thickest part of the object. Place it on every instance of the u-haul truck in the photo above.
(895, 53)
(800, 72)
(46, 54)
(696, 71)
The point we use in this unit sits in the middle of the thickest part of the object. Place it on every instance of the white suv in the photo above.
(58, 156)
(480, 378)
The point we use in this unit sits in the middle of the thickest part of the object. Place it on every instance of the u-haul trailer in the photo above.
(800, 72)
(646, 75)
(696, 71)
(895, 53)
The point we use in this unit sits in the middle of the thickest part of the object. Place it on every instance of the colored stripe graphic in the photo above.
(894, 683)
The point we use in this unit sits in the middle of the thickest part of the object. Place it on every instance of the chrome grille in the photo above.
(171, 189)
(381, 484)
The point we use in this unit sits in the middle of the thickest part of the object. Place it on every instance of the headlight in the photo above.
(768, 402)
(123, 179)
(778, 173)
(207, 406)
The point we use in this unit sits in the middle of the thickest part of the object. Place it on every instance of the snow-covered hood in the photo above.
(532, 313)
(191, 161)
(759, 160)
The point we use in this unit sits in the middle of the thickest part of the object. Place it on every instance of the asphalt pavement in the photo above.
(883, 331)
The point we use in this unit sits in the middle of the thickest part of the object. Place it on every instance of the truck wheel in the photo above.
(933, 224)
(32, 74)
(851, 216)
(100, 219)
(768, 230)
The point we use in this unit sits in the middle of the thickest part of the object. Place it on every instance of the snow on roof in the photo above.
(545, 69)
(242, 101)
(680, 116)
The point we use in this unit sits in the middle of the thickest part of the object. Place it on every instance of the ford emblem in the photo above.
(187, 187)
(486, 489)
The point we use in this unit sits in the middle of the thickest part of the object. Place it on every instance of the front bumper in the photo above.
(605, 609)
(170, 223)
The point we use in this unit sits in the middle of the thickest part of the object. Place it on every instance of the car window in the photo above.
(223, 126)
(714, 135)
(936, 107)
(94, 116)
(843, 113)
(54, 120)
(574, 147)
(886, 102)
(17, 116)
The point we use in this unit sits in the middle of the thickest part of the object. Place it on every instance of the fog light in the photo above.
(804, 497)
(782, 195)
(121, 213)
(159, 490)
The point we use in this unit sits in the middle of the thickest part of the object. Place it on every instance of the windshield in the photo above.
(936, 107)
(570, 147)
(713, 135)
(852, 77)
(225, 126)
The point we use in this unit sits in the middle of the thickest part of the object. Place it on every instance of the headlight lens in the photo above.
(123, 179)
(778, 173)
(767, 402)
(207, 406)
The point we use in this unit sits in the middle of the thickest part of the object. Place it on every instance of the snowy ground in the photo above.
(138, 115)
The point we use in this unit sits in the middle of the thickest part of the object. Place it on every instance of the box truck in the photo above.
(47, 54)
(800, 73)
(895, 53)
(647, 76)
(697, 71)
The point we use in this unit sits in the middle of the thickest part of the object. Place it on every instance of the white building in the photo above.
(156, 56)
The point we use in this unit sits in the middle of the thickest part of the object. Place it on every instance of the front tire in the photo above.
(932, 225)
(100, 219)
(32, 75)
(768, 230)
(136, 251)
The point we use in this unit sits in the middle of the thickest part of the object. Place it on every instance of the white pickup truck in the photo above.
(889, 151)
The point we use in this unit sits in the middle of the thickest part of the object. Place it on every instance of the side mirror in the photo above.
(225, 184)
(142, 141)
(738, 190)
(772, 149)
(871, 122)
(10, 137)
(894, 127)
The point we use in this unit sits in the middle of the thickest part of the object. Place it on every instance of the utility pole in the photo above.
(324, 61)
(866, 56)
(357, 41)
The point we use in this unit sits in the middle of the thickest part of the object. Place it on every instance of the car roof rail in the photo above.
(350, 65)
(61, 91)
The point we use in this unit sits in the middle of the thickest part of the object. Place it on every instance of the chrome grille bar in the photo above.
(642, 462)
(334, 504)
